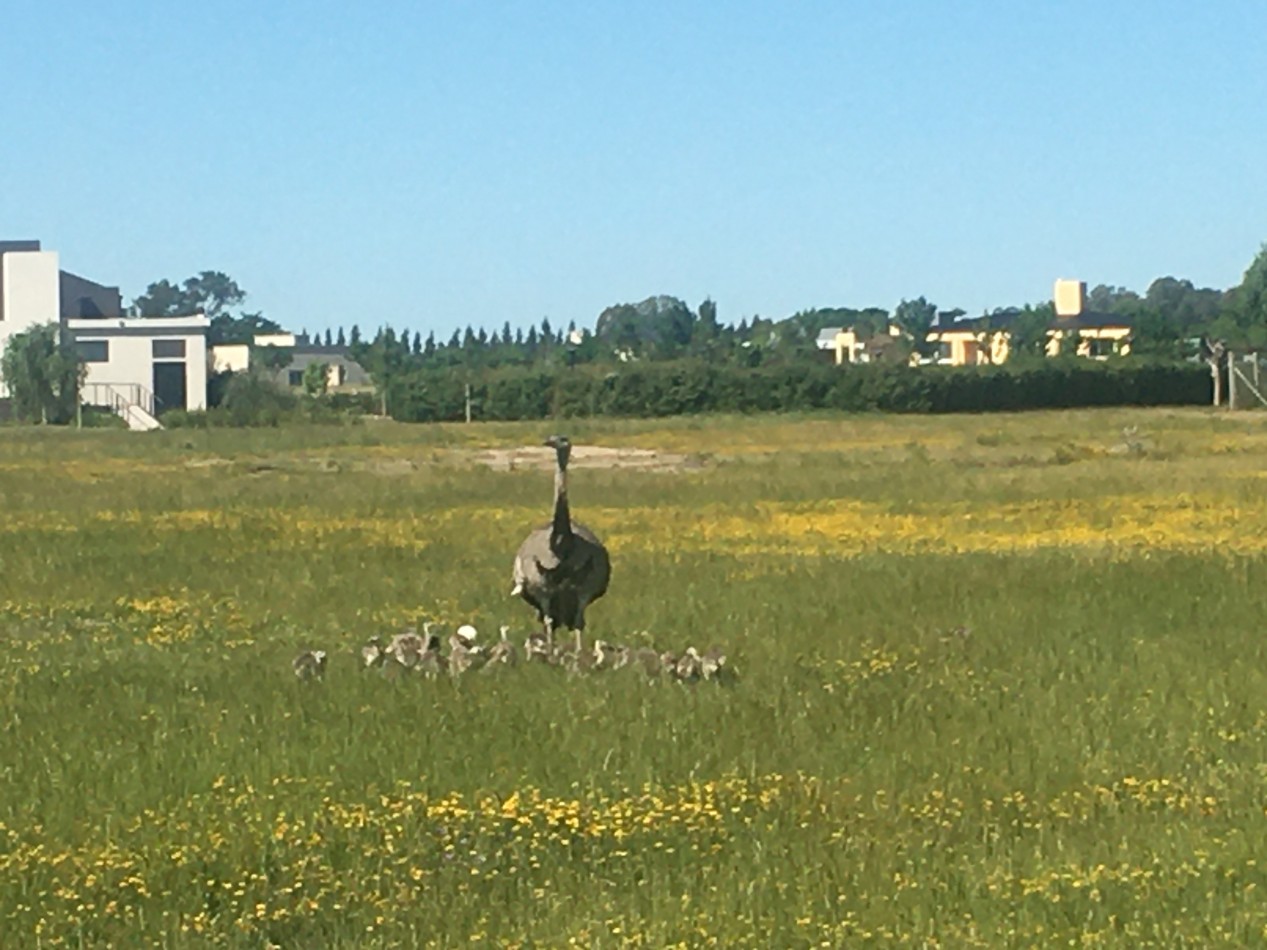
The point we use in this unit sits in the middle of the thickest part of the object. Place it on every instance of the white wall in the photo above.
(275, 339)
(196, 360)
(30, 291)
(233, 357)
(30, 294)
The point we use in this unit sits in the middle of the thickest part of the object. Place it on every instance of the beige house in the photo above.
(852, 347)
(988, 339)
(1100, 335)
(342, 372)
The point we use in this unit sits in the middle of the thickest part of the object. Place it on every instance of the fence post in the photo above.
(1231, 380)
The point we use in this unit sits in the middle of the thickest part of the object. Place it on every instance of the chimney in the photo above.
(1069, 296)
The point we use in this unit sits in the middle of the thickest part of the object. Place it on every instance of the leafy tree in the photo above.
(213, 293)
(162, 299)
(316, 378)
(272, 358)
(243, 328)
(1252, 300)
(1105, 298)
(43, 373)
(915, 318)
(1179, 301)
(1028, 330)
(1242, 321)
(1070, 340)
(658, 326)
(329, 340)
(385, 361)
(354, 338)
(1153, 334)
(429, 347)
(707, 326)
(340, 340)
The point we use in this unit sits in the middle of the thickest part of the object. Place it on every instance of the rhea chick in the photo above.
(311, 664)
(431, 661)
(406, 648)
(463, 651)
(503, 652)
(373, 654)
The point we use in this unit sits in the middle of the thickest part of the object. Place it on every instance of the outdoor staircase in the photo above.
(131, 402)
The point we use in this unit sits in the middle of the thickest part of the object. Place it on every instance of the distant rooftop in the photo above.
(18, 246)
(826, 339)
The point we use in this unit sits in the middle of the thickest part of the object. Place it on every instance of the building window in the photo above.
(169, 349)
(296, 377)
(94, 351)
(1101, 348)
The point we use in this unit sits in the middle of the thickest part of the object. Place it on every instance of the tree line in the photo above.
(1167, 319)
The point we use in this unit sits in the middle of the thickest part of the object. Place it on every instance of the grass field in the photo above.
(1085, 766)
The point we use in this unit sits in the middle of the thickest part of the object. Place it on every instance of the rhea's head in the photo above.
(562, 446)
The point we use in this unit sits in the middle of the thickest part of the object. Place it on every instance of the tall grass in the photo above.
(1000, 685)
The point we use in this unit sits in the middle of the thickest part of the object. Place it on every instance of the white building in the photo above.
(153, 363)
(137, 367)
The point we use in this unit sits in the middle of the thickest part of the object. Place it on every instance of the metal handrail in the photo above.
(117, 396)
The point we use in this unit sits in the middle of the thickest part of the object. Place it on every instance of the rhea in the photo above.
(562, 567)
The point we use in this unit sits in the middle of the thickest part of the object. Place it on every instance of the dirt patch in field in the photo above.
(263, 466)
(588, 456)
(502, 460)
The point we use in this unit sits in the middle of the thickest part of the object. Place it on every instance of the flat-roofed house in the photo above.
(136, 367)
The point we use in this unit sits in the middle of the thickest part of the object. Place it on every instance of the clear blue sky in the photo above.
(433, 164)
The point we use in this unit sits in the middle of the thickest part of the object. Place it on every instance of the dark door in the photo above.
(169, 386)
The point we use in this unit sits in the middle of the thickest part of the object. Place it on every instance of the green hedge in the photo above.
(683, 388)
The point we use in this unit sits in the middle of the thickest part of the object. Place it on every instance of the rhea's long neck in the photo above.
(561, 528)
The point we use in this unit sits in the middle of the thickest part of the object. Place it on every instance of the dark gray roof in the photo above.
(6, 246)
(1093, 320)
(1087, 320)
(321, 350)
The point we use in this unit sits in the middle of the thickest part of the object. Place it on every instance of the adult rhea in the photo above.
(561, 568)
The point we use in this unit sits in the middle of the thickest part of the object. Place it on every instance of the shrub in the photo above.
(253, 400)
(687, 387)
